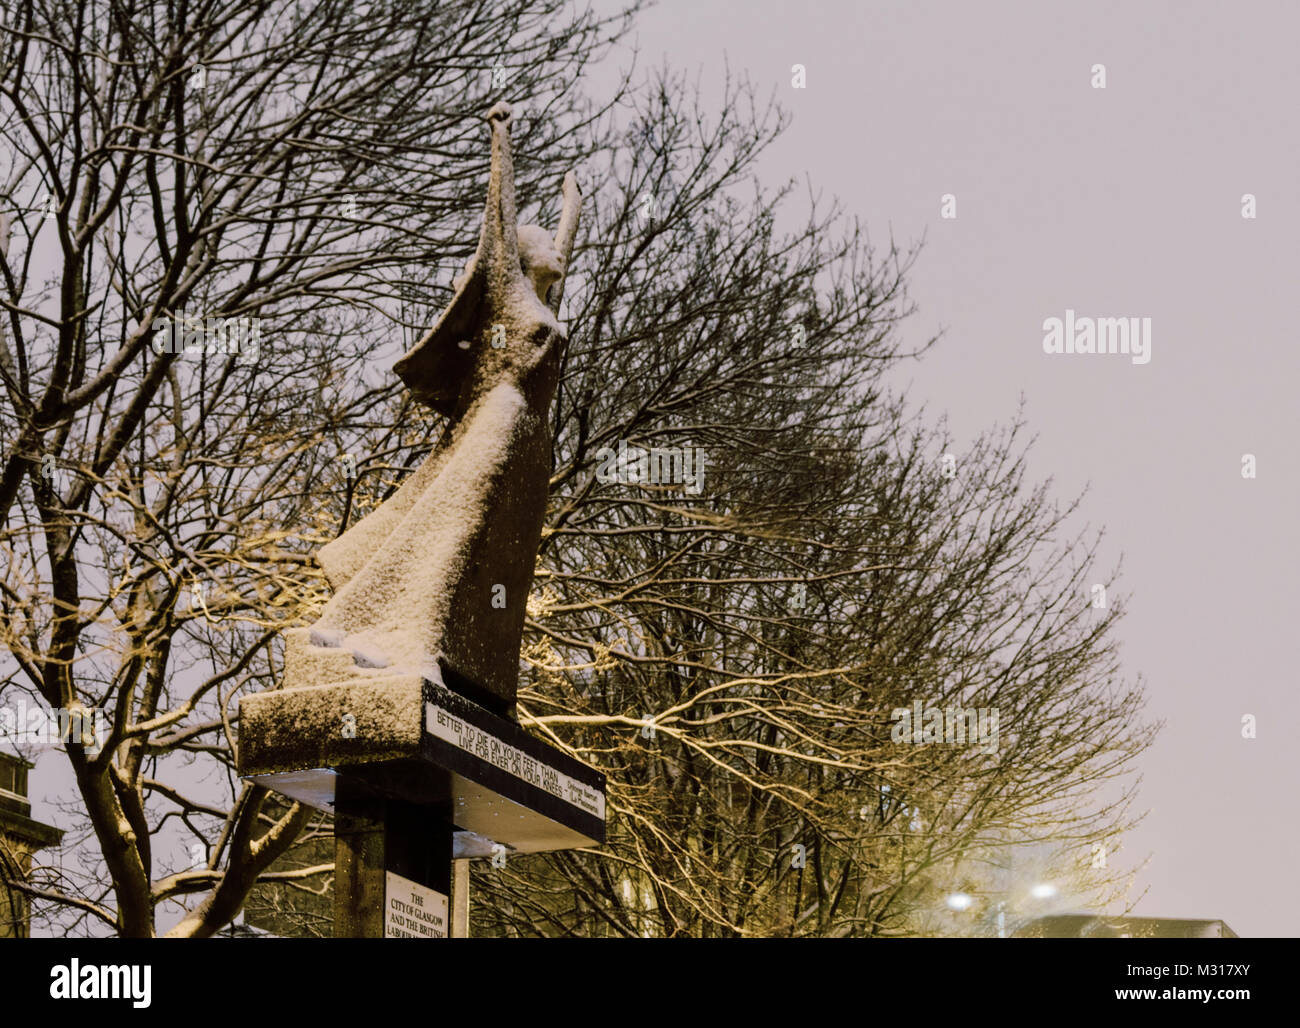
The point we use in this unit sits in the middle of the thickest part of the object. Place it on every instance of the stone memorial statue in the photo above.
(434, 582)
(396, 713)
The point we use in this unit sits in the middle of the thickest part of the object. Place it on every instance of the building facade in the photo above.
(1094, 926)
(20, 837)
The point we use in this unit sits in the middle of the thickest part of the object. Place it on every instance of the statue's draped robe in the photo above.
(438, 576)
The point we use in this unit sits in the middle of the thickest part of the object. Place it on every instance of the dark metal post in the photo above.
(375, 837)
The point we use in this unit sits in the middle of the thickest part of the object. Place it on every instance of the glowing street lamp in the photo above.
(960, 901)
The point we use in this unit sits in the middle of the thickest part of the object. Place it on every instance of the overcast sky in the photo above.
(1117, 202)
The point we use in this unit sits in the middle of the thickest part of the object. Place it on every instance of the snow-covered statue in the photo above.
(435, 581)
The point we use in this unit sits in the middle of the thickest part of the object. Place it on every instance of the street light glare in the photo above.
(1043, 891)
(959, 901)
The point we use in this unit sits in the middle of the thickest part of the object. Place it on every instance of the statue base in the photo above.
(408, 740)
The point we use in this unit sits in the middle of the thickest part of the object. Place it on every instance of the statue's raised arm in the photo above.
(512, 264)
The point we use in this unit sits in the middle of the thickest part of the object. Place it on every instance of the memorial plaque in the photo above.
(537, 772)
(412, 911)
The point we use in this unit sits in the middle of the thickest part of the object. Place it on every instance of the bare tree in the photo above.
(731, 653)
(223, 221)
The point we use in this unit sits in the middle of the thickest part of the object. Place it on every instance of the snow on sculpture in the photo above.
(436, 579)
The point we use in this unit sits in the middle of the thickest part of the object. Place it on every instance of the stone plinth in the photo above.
(410, 740)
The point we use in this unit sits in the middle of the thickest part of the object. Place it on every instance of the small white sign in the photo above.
(412, 911)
